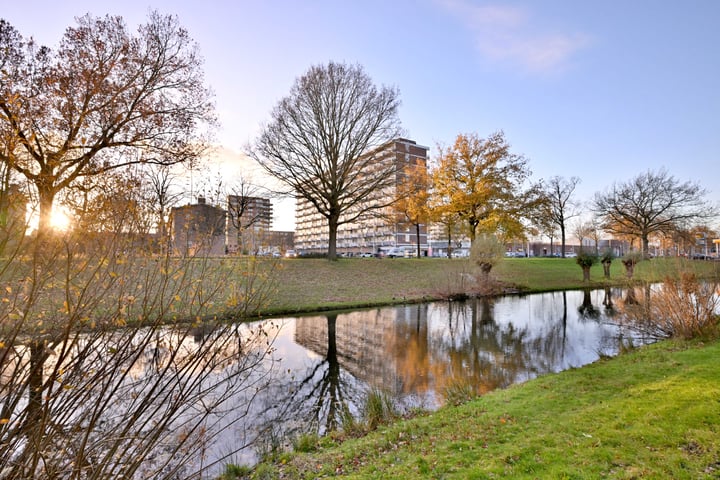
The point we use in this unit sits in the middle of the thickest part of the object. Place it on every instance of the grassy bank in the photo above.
(314, 284)
(652, 413)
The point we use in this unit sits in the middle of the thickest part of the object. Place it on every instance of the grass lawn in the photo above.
(651, 413)
(315, 284)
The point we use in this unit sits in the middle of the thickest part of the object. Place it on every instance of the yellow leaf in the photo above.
(8, 289)
(4, 421)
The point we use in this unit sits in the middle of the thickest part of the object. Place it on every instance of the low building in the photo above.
(198, 229)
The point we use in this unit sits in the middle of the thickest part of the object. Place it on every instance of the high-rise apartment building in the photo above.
(249, 220)
(376, 232)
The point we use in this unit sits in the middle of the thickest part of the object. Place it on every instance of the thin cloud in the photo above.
(506, 34)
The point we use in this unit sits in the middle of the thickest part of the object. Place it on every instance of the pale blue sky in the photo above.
(599, 90)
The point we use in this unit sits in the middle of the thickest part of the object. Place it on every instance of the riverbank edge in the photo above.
(334, 454)
(504, 284)
(649, 413)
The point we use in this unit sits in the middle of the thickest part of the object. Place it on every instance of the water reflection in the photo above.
(328, 363)
(321, 367)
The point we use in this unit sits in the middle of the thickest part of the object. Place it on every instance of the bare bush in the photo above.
(682, 307)
(112, 364)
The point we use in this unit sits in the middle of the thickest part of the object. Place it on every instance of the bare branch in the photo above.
(321, 140)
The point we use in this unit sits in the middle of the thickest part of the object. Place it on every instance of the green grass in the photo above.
(305, 285)
(652, 413)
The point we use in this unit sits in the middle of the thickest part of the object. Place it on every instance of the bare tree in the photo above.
(321, 139)
(103, 100)
(162, 193)
(583, 230)
(245, 210)
(561, 208)
(652, 202)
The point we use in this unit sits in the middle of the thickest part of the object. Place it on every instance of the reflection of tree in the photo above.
(486, 355)
(607, 300)
(411, 338)
(587, 309)
(318, 399)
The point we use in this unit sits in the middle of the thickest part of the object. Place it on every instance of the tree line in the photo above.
(99, 121)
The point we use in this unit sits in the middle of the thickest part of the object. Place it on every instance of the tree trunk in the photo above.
(645, 245)
(47, 198)
(417, 233)
(629, 268)
(606, 269)
(485, 268)
(449, 245)
(586, 274)
(332, 237)
(562, 240)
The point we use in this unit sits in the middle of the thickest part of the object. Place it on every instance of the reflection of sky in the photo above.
(520, 336)
(409, 352)
(412, 352)
(287, 350)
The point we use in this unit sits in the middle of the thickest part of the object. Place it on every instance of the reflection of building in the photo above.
(365, 342)
(198, 229)
(249, 220)
(372, 232)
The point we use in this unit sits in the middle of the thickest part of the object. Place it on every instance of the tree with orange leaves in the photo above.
(481, 181)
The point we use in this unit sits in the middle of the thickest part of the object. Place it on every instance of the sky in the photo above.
(603, 91)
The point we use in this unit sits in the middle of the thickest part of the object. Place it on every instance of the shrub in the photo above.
(305, 443)
(459, 391)
(486, 252)
(586, 260)
(350, 425)
(379, 409)
(682, 308)
(235, 472)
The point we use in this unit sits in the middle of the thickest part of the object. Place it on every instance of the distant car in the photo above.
(290, 254)
(366, 255)
(570, 255)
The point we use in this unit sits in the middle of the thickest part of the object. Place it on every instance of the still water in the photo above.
(196, 397)
(322, 365)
